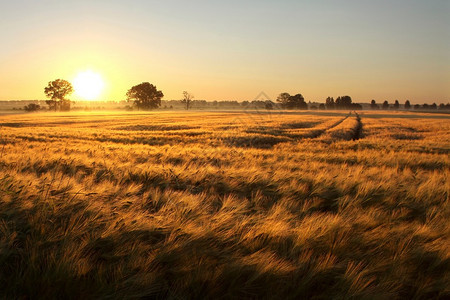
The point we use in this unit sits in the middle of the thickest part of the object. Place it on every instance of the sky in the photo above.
(231, 50)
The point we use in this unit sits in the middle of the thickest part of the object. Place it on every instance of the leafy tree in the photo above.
(344, 102)
(187, 99)
(57, 90)
(292, 102)
(444, 106)
(145, 96)
(374, 105)
(283, 98)
(268, 105)
(407, 104)
(338, 102)
(385, 104)
(396, 104)
(417, 106)
(297, 101)
(32, 107)
(322, 106)
(433, 106)
(329, 102)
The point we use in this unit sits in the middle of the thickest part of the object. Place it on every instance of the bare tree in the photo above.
(187, 99)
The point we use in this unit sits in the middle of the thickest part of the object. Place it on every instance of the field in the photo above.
(216, 205)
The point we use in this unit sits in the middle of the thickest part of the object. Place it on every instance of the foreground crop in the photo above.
(219, 205)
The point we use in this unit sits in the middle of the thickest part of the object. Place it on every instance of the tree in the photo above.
(32, 107)
(297, 101)
(283, 98)
(374, 105)
(385, 104)
(187, 99)
(145, 96)
(338, 102)
(396, 104)
(344, 102)
(292, 102)
(407, 104)
(329, 102)
(57, 90)
(268, 105)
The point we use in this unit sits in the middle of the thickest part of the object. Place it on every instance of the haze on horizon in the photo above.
(383, 50)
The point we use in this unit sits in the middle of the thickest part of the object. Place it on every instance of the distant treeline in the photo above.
(344, 103)
(396, 105)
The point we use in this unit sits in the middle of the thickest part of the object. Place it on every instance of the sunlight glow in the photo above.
(88, 85)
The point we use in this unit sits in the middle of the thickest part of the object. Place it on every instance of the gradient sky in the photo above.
(217, 50)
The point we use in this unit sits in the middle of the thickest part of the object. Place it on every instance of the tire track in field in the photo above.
(358, 129)
(317, 133)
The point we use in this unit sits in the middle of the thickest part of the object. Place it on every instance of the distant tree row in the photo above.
(407, 105)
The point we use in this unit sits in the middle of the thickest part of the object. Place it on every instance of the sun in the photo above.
(88, 85)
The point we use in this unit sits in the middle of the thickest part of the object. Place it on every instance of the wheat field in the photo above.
(217, 205)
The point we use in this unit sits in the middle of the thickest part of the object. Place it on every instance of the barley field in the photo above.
(218, 205)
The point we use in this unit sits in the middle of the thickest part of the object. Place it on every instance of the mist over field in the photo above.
(282, 205)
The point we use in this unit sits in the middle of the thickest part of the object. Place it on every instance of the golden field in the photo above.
(215, 205)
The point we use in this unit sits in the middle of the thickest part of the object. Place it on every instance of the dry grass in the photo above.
(224, 205)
